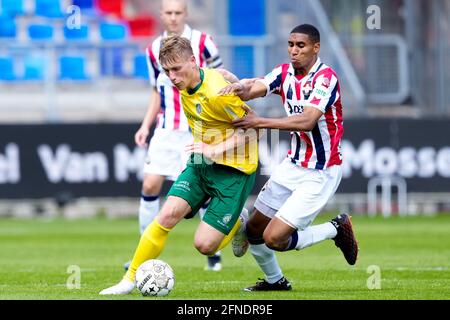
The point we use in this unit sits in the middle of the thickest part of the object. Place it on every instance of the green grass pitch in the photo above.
(412, 254)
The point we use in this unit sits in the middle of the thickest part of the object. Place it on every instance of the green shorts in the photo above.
(227, 187)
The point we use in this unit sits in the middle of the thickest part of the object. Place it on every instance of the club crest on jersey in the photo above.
(227, 218)
(306, 90)
(198, 107)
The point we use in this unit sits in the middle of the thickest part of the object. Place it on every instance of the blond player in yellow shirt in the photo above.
(221, 166)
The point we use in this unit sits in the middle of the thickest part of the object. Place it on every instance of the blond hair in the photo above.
(175, 48)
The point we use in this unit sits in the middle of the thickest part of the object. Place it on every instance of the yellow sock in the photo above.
(229, 236)
(150, 246)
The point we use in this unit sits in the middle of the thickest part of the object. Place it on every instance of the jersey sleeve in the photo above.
(230, 107)
(211, 53)
(325, 91)
(273, 80)
(152, 64)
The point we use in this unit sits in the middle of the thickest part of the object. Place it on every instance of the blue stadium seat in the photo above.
(8, 27)
(72, 68)
(40, 32)
(77, 34)
(35, 67)
(140, 66)
(113, 31)
(49, 8)
(111, 58)
(11, 7)
(6, 68)
(111, 61)
(84, 4)
(241, 25)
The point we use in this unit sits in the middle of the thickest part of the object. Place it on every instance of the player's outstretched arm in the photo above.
(246, 89)
(214, 151)
(302, 122)
(140, 137)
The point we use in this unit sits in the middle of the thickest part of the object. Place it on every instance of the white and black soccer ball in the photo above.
(155, 278)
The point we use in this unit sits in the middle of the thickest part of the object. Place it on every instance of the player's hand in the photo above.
(251, 120)
(140, 137)
(236, 88)
(200, 147)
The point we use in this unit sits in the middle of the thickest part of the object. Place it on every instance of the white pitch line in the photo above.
(422, 269)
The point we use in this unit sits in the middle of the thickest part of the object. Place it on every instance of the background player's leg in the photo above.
(149, 204)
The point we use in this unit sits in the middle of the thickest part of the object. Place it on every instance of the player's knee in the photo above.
(150, 188)
(274, 242)
(169, 216)
(205, 247)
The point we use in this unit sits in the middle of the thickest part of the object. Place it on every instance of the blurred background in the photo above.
(74, 88)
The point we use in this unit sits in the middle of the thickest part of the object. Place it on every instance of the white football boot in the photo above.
(240, 242)
(123, 287)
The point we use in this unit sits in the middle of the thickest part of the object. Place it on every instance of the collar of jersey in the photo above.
(194, 90)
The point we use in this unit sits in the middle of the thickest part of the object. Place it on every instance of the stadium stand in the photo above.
(6, 68)
(40, 32)
(111, 7)
(76, 34)
(84, 4)
(142, 26)
(72, 68)
(49, 8)
(8, 27)
(102, 40)
(12, 7)
(140, 66)
(113, 31)
(34, 68)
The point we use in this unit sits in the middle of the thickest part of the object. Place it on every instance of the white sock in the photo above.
(267, 261)
(315, 234)
(148, 209)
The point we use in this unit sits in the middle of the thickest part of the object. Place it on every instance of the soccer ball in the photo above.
(155, 278)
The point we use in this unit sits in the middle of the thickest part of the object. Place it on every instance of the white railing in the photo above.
(387, 184)
(395, 78)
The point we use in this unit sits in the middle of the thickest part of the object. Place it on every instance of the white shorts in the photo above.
(296, 195)
(166, 155)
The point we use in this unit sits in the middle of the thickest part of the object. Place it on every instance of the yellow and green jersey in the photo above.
(209, 116)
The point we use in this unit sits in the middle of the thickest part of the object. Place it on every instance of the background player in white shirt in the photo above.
(166, 156)
(303, 183)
